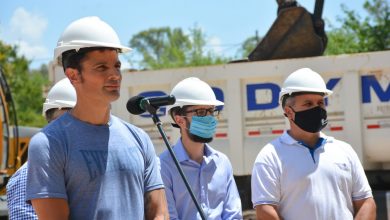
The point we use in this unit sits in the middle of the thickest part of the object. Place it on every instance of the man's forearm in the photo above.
(267, 212)
(156, 205)
(365, 210)
(51, 208)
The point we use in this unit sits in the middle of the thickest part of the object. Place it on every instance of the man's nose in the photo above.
(115, 74)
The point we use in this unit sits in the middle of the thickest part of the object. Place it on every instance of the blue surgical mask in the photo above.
(204, 126)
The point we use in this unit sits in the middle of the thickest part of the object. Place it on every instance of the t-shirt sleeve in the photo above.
(152, 176)
(265, 182)
(45, 175)
(361, 188)
(167, 179)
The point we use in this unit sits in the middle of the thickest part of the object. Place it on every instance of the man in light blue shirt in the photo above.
(208, 171)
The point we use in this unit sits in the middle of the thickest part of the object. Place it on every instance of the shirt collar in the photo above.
(287, 139)
(181, 153)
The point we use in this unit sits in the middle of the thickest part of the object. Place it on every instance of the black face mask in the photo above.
(312, 120)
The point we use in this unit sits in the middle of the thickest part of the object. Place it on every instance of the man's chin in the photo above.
(196, 138)
(114, 95)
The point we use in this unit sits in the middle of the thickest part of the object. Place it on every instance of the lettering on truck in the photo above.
(162, 111)
(369, 83)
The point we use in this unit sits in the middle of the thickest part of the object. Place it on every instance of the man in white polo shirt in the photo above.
(304, 174)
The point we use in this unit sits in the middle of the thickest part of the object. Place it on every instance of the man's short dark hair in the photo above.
(285, 97)
(49, 114)
(178, 111)
(73, 58)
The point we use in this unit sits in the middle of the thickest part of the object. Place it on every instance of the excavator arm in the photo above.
(295, 33)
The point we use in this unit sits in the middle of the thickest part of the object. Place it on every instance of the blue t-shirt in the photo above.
(102, 171)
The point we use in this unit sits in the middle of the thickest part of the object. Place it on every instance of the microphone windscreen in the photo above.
(133, 105)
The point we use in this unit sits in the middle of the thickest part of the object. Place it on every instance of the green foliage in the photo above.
(161, 47)
(362, 35)
(248, 46)
(164, 47)
(26, 88)
(197, 55)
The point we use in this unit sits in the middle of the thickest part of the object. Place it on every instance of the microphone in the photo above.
(139, 104)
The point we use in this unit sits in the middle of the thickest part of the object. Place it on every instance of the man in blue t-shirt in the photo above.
(89, 164)
(60, 99)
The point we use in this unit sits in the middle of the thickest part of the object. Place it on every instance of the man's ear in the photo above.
(180, 120)
(72, 74)
(288, 112)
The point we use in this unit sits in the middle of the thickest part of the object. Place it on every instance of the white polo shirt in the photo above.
(305, 185)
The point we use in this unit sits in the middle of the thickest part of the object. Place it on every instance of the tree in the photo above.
(198, 56)
(161, 47)
(357, 35)
(248, 46)
(26, 88)
(164, 47)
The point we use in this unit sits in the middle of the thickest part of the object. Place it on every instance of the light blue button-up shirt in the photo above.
(212, 183)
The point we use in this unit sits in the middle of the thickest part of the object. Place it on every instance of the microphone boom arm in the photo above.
(153, 111)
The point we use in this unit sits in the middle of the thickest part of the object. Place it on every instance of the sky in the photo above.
(36, 25)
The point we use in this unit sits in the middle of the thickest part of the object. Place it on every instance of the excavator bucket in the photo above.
(292, 35)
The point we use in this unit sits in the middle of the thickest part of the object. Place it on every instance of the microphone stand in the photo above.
(153, 111)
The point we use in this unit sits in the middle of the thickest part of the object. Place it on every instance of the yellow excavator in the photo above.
(14, 139)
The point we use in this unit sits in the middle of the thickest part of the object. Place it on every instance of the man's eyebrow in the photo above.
(100, 63)
(307, 100)
(105, 62)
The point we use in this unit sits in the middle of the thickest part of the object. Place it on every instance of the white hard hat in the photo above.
(304, 80)
(61, 95)
(193, 91)
(88, 32)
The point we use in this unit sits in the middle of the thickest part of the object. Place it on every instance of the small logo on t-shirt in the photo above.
(342, 166)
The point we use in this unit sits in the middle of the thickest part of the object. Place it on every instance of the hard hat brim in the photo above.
(57, 105)
(183, 102)
(292, 90)
(78, 44)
